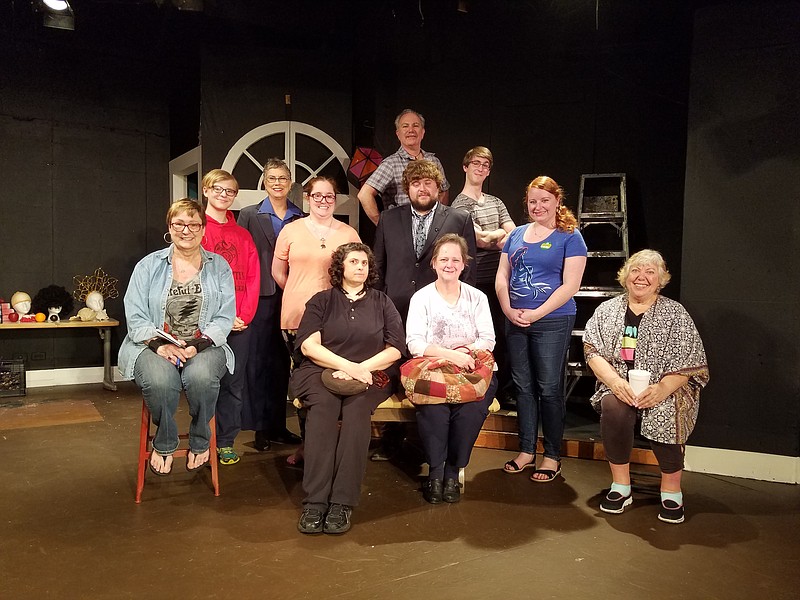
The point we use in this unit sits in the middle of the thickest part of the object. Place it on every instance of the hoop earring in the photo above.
(167, 241)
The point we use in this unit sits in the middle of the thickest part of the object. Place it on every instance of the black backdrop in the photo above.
(90, 118)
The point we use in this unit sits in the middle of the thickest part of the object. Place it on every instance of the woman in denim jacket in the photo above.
(188, 294)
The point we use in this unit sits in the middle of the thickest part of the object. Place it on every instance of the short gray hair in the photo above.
(405, 112)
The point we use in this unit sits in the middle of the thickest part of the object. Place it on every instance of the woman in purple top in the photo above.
(540, 271)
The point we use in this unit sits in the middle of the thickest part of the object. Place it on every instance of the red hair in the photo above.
(565, 220)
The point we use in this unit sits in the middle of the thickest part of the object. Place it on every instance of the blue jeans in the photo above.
(537, 355)
(161, 384)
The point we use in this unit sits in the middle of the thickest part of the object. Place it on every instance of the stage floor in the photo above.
(70, 527)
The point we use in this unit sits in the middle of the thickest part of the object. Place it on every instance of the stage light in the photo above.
(57, 14)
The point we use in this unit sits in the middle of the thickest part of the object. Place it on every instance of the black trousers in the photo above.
(267, 370)
(336, 457)
(448, 432)
(617, 424)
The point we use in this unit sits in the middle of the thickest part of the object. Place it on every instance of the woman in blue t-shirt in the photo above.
(540, 271)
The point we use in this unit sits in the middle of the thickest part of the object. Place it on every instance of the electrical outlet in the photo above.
(38, 355)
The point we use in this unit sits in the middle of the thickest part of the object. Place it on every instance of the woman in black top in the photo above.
(356, 333)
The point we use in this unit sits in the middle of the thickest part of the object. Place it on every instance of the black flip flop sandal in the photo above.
(163, 460)
(550, 473)
(515, 468)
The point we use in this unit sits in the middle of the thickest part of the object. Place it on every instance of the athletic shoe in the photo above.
(227, 456)
(338, 519)
(615, 503)
(311, 521)
(670, 512)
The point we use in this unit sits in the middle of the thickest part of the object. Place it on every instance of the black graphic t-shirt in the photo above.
(183, 309)
(629, 337)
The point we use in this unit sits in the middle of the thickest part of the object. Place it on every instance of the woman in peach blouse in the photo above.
(303, 251)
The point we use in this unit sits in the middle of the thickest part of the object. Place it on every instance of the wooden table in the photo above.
(103, 327)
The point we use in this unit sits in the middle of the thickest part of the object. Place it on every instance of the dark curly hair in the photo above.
(336, 270)
(52, 296)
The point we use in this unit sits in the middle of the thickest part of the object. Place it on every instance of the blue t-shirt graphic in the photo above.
(537, 269)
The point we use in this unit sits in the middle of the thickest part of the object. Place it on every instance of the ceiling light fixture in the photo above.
(56, 14)
(56, 4)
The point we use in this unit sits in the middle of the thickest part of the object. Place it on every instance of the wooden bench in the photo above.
(397, 409)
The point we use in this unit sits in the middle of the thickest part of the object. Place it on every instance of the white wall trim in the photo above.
(182, 166)
(738, 463)
(73, 376)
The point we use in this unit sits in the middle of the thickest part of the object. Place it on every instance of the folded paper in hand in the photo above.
(170, 338)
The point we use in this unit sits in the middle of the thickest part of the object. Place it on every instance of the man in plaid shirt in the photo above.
(387, 180)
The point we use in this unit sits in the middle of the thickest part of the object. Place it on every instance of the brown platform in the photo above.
(499, 432)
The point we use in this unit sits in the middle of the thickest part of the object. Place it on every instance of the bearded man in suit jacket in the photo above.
(405, 236)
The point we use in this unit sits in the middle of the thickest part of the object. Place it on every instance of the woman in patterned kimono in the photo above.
(640, 329)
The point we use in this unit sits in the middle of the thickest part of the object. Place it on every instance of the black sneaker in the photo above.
(338, 519)
(432, 491)
(615, 503)
(311, 521)
(670, 512)
(452, 491)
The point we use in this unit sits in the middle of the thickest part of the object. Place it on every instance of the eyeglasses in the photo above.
(178, 227)
(480, 165)
(319, 197)
(221, 191)
(273, 179)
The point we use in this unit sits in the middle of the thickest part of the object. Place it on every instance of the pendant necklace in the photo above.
(316, 233)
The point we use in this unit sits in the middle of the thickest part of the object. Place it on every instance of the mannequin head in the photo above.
(21, 303)
(94, 300)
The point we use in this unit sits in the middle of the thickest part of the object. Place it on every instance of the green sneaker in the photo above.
(227, 456)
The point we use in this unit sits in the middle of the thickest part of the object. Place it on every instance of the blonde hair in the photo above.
(214, 176)
(478, 152)
(641, 258)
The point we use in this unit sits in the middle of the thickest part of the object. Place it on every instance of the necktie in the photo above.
(419, 236)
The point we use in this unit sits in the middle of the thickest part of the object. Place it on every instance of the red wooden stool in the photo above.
(146, 449)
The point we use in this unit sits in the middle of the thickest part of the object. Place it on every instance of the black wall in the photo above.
(741, 250)
(84, 124)
(551, 88)
(90, 119)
